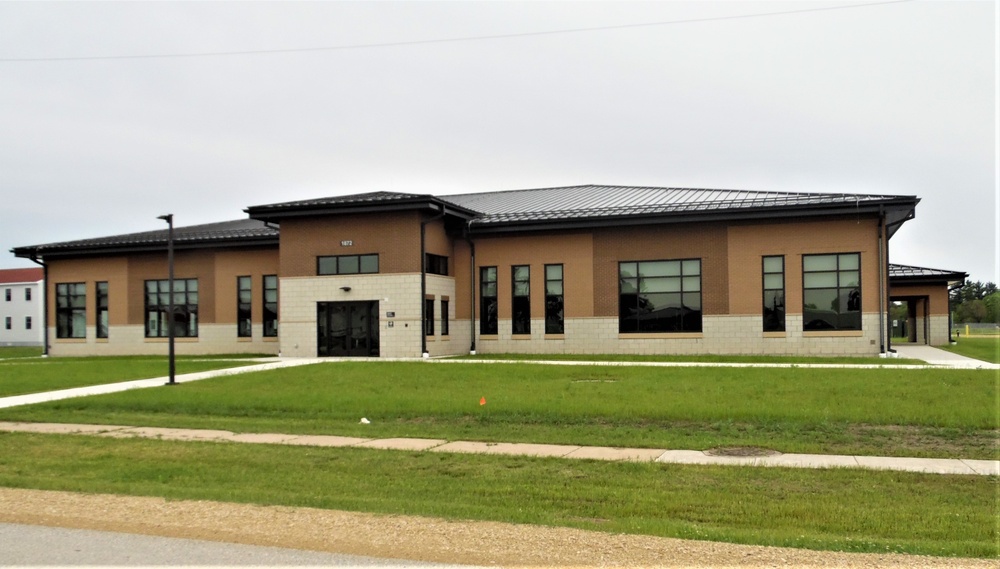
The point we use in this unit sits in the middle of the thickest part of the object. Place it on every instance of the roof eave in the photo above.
(275, 214)
(52, 253)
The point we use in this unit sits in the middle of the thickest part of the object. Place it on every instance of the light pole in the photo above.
(169, 218)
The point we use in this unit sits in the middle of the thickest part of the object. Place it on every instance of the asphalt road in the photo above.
(27, 545)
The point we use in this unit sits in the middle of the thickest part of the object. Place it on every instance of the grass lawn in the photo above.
(894, 412)
(20, 376)
(846, 510)
(19, 352)
(985, 348)
(695, 359)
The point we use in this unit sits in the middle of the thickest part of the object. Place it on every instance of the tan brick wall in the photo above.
(394, 236)
(707, 242)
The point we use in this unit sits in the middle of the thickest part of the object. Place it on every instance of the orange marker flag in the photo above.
(482, 401)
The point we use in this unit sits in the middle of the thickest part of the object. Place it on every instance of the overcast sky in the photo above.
(892, 98)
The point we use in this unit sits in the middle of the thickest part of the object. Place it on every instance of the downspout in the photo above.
(883, 268)
(472, 289)
(423, 282)
(45, 304)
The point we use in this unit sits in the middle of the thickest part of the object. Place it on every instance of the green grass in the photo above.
(20, 376)
(893, 412)
(845, 510)
(985, 348)
(696, 359)
(19, 352)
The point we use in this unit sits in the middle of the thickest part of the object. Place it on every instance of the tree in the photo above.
(992, 303)
(972, 311)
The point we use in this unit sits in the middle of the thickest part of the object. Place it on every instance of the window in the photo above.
(831, 292)
(71, 310)
(27, 294)
(347, 265)
(444, 317)
(185, 296)
(659, 296)
(488, 300)
(270, 306)
(8, 323)
(244, 298)
(8, 295)
(520, 299)
(102, 309)
(429, 316)
(27, 323)
(553, 299)
(774, 293)
(435, 264)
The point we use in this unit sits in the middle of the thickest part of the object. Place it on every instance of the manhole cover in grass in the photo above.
(741, 451)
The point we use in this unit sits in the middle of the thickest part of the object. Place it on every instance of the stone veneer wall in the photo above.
(131, 340)
(721, 335)
(939, 331)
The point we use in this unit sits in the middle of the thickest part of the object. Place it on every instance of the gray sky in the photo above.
(897, 98)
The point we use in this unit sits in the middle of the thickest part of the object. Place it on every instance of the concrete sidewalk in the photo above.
(939, 357)
(927, 465)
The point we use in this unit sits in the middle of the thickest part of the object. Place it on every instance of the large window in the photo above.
(436, 264)
(244, 310)
(659, 296)
(185, 308)
(774, 293)
(347, 265)
(831, 292)
(270, 305)
(102, 309)
(71, 310)
(488, 300)
(553, 299)
(520, 299)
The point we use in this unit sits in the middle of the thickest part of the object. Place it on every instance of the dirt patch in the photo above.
(415, 538)
(741, 451)
(931, 441)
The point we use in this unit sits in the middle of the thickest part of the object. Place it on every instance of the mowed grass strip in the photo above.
(980, 348)
(19, 352)
(697, 358)
(845, 510)
(940, 413)
(20, 376)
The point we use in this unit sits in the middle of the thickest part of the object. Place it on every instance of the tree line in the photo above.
(976, 302)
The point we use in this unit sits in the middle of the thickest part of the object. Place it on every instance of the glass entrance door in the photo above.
(347, 329)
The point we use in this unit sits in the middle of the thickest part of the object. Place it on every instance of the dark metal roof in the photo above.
(923, 275)
(355, 203)
(240, 232)
(590, 202)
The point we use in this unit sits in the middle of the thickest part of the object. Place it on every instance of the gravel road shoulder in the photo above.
(416, 538)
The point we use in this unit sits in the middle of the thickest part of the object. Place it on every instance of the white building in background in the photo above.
(22, 307)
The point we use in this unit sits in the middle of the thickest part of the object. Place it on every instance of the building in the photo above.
(21, 310)
(581, 269)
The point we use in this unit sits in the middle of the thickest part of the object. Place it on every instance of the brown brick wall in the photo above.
(114, 270)
(395, 236)
(938, 296)
(707, 242)
(230, 264)
(750, 241)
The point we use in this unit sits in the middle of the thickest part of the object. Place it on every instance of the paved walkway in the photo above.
(934, 356)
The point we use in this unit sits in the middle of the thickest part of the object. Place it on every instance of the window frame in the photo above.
(445, 304)
(270, 316)
(7, 294)
(72, 312)
(187, 308)
(102, 323)
(520, 304)
(555, 304)
(435, 264)
(343, 259)
(27, 323)
(489, 320)
(9, 323)
(429, 316)
(244, 306)
(27, 294)
(693, 322)
(807, 323)
(779, 322)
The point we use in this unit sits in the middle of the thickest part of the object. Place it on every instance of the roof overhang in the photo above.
(276, 213)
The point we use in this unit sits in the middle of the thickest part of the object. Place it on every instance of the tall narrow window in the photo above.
(774, 293)
(659, 296)
(7, 294)
(102, 309)
(444, 316)
(553, 299)
(520, 299)
(488, 300)
(429, 316)
(185, 308)
(831, 292)
(244, 299)
(71, 310)
(8, 323)
(270, 305)
(27, 294)
(27, 323)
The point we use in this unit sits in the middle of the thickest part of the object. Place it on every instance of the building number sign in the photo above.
(347, 243)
